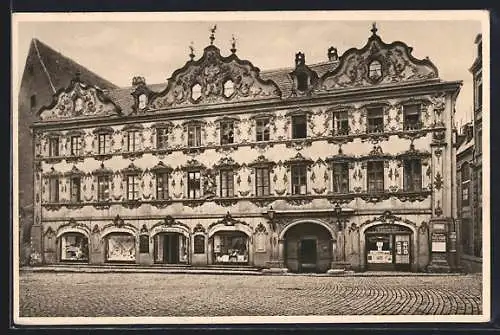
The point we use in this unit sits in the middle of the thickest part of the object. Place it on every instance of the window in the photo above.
(412, 175)
(226, 132)
(479, 143)
(262, 131)
(262, 181)
(340, 123)
(228, 88)
(226, 183)
(299, 179)
(162, 185)
(54, 146)
(194, 184)
(299, 126)
(75, 189)
(142, 101)
(194, 135)
(33, 101)
(465, 174)
(199, 244)
(375, 176)
(302, 81)
(478, 92)
(161, 138)
(54, 189)
(341, 177)
(132, 140)
(375, 120)
(196, 92)
(104, 145)
(411, 117)
(375, 70)
(132, 187)
(103, 188)
(75, 145)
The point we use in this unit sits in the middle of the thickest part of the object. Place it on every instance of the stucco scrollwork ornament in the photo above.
(214, 79)
(260, 229)
(199, 228)
(377, 63)
(79, 100)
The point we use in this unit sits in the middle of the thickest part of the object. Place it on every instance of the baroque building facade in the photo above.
(347, 164)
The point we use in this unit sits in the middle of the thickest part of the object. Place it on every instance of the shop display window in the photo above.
(120, 248)
(74, 247)
(231, 248)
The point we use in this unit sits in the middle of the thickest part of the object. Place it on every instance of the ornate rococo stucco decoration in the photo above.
(215, 79)
(79, 100)
(391, 63)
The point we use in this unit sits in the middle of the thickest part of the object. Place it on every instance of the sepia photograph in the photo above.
(250, 167)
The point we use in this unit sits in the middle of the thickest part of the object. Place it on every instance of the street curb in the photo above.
(233, 272)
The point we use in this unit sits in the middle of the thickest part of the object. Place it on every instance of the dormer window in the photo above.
(196, 92)
(143, 101)
(228, 88)
(375, 70)
(302, 81)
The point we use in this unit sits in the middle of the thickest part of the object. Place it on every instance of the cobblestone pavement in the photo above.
(148, 294)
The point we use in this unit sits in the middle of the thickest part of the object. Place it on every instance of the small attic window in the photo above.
(375, 70)
(302, 81)
(196, 92)
(78, 105)
(228, 88)
(143, 101)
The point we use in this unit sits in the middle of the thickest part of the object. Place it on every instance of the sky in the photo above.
(118, 51)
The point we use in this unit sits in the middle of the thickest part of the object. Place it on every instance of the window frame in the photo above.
(103, 143)
(343, 175)
(191, 182)
(133, 140)
(196, 239)
(54, 143)
(78, 197)
(295, 125)
(374, 128)
(226, 177)
(412, 175)
(54, 184)
(162, 186)
(132, 187)
(161, 138)
(103, 187)
(407, 113)
(298, 178)
(195, 141)
(339, 128)
(262, 174)
(375, 176)
(262, 134)
(226, 140)
(75, 147)
(465, 171)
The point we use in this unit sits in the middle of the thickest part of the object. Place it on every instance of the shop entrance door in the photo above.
(308, 255)
(171, 248)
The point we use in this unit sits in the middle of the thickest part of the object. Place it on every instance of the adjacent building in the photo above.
(45, 72)
(469, 166)
(344, 164)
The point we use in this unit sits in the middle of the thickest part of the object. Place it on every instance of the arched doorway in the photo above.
(170, 248)
(74, 247)
(120, 247)
(388, 247)
(230, 247)
(308, 247)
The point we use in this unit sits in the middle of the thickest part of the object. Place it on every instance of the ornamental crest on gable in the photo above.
(377, 63)
(214, 79)
(79, 100)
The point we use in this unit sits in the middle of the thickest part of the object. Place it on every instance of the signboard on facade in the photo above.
(384, 256)
(439, 242)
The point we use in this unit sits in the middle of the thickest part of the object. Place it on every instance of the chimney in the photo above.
(332, 54)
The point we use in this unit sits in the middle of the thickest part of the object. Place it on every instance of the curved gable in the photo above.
(208, 76)
(391, 63)
(78, 100)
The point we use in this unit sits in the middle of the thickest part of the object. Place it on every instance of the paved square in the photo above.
(154, 294)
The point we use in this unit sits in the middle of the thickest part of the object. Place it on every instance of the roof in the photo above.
(123, 98)
(57, 67)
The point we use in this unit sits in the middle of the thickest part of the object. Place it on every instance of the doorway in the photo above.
(308, 255)
(170, 248)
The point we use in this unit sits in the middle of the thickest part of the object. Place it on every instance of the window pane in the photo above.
(375, 174)
(299, 126)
